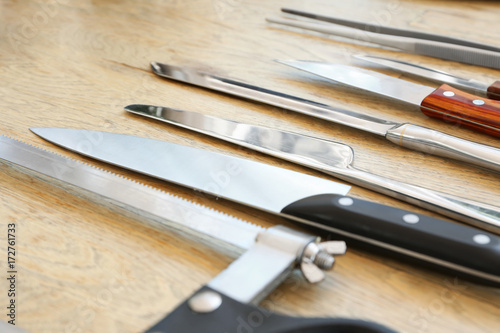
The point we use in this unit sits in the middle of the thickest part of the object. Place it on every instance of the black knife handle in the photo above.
(234, 317)
(458, 247)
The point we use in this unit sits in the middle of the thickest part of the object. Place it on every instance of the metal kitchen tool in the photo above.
(446, 103)
(403, 134)
(410, 41)
(302, 198)
(271, 254)
(491, 91)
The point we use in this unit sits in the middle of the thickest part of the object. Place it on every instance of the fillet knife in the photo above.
(269, 255)
(491, 91)
(327, 156)
(446, 103)
(403, 134)
(410, 41)
(302, 198)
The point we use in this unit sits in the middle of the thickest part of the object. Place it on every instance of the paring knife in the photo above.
(492, 91)
(446, 103)
(310, 200)
(269, 255)
(403, 134)
(410, 41)
(327, 156)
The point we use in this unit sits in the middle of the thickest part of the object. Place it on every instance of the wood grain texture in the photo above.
(463, 109)
(493, 91)
(83, 267)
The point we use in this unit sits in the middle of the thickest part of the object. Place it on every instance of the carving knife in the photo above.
(302, 198)
(269, 255)
(327, 156)
(446, 103)
(491, 91)
(403, 134)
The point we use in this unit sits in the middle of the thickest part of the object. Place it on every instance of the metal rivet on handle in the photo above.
(449, 93)
(346, 201)
(481, 239)
(478, 102)
(205, 301)
(411, 218)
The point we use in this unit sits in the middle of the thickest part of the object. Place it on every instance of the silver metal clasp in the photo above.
(276, 252)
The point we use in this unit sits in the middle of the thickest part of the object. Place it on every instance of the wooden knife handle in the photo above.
(493, 91)
(457, 107)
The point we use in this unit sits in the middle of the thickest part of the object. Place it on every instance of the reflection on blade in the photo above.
(241, 180)
(364, 79)
(174, 212)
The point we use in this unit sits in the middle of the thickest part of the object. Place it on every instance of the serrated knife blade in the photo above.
(315, 201)
(164, 208)
(237, 289)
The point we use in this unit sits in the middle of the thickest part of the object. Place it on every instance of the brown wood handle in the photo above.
(457, 107)
(494, 91)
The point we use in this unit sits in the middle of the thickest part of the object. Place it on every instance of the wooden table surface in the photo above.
(85, 268)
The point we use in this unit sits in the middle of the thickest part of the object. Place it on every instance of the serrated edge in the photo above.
(98, 171)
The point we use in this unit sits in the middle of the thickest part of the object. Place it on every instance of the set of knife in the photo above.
(468, 248)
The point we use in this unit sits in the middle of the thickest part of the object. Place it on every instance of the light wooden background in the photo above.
(84, 268)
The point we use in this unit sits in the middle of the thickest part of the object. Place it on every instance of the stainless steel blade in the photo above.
(403, 134)
(428, 73)
(367, 80)
(174, 212)
(346, 117)
(327, 156)
(228, 177)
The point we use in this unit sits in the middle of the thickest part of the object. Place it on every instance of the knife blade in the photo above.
(491, 91)
(296, 196)
(271, 254)
(403, 134)
(327, 156)
(446, 103)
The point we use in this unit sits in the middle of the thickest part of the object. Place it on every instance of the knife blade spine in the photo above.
(159, 207)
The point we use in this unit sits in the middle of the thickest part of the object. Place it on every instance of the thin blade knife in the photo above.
(327, 156)
(403, 134)
(446, 103)
(491, 91)
(235, 291)
(302, 198)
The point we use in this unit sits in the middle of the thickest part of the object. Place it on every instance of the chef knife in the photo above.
(327, 156)
(306, 199)
(492, 91)
(269, 255)
(403, 134)
(446, 103)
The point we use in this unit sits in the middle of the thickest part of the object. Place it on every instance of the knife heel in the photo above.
(448, 244)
